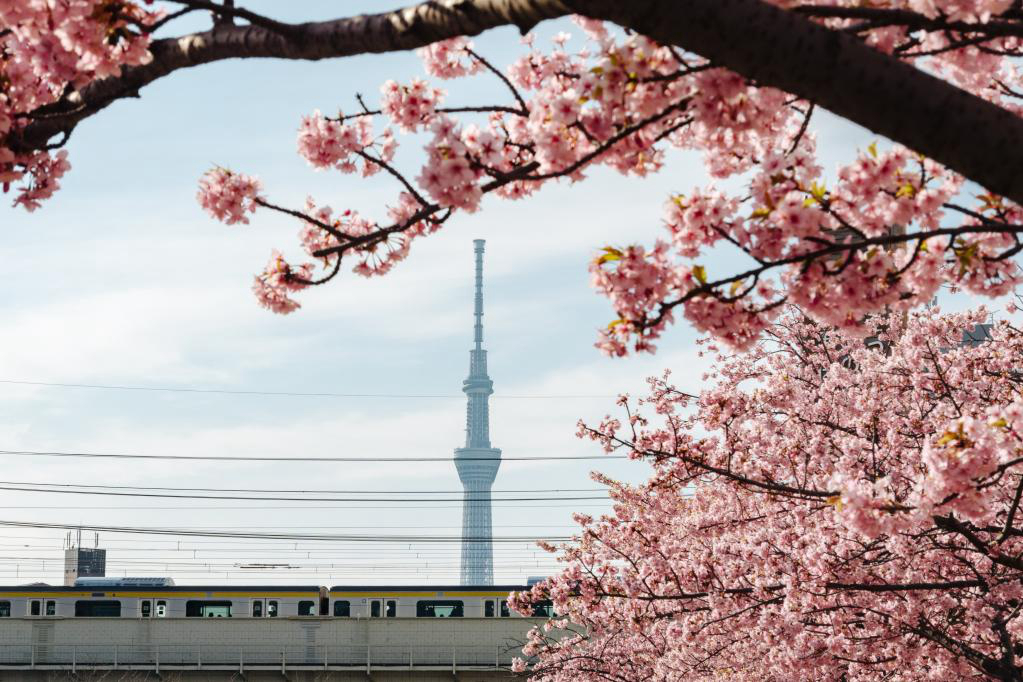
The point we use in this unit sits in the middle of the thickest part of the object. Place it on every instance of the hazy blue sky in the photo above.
(122, 280)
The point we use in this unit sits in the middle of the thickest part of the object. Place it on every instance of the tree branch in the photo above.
(769, 45)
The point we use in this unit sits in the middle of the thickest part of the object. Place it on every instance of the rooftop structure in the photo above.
(82, 562)
(477, 462)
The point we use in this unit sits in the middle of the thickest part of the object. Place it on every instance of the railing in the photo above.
(195, 656)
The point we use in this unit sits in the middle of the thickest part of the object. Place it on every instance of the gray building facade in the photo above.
(84, 562)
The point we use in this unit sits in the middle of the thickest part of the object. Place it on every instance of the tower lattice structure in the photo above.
(477, 462)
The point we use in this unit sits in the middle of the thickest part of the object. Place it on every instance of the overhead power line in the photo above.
(184, 532)
(249, 498)
(304, 507)
(296, 394)
(219, 458)
(254, 544)
(275, 491)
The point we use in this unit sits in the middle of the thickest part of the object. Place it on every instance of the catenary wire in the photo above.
(182, 532)
(250, 542)
(297, 394)
(220, 458)
(51, 491)
(273, 490)
(517, 505)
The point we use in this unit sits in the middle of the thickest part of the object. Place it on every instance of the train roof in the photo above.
(427, 588)
(36, 587)
(170, 589)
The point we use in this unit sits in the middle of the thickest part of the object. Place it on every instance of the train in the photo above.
(160, 598)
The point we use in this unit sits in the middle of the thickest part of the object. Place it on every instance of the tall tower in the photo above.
(477, 462)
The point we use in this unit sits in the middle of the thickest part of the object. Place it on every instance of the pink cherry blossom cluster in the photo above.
(41, 172)
(409, 106)
(960, 10)
(449, 58)
(449, 176)
(842, 247)
(49, 51)
(794, 220)
(331, 143)
(228, 196)
(277, 280)
(824, 509)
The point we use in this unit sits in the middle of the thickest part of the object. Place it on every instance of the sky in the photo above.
(121, 280)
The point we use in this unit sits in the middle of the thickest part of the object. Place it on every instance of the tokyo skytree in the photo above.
(477, 462)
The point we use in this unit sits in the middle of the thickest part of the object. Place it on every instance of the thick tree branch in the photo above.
(403, 29)
(769, 45)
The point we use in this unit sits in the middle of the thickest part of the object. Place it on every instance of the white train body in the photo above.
(113, 600)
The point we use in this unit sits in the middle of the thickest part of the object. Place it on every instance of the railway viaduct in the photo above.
(300, 649)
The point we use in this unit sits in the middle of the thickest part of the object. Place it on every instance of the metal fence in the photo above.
(269, 654)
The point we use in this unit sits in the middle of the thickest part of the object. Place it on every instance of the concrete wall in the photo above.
(252, 676)
(388, 646)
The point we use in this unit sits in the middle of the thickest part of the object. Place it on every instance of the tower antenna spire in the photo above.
(477, 462)
(478, 302)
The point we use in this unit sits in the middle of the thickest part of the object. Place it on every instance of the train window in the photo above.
(488, 609)
(271, 609)
(207, 609)
(5, 609)
(543, 609)
(33, 609)
(305, 608)
(97, 609)
(147, 608)
(257, 608)
(392, 608)
(450, 608)
(161, 608)
(51, 608)
(342, 609)
(505, 611)
(374, 608)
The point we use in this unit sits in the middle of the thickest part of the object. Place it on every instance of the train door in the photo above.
(258, 608)
(146, 608)
(383, 608)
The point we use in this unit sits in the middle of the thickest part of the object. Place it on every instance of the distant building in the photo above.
(83, 562)
(477, 462)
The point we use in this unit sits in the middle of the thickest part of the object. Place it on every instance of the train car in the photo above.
(405, 601)
(160, 598)
(162, 601)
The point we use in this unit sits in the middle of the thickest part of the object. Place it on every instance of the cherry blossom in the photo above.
(49, 50)
(882, 232)
(228, 196)
(824, 508)
(277, 280)
(409, 106)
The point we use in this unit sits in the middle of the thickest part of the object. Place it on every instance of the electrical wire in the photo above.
(219, 458)
(297, 394)
(402, 526)
(183, 532)
(25, 489)
(255, 543)
(270, 490)
(306, 507)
